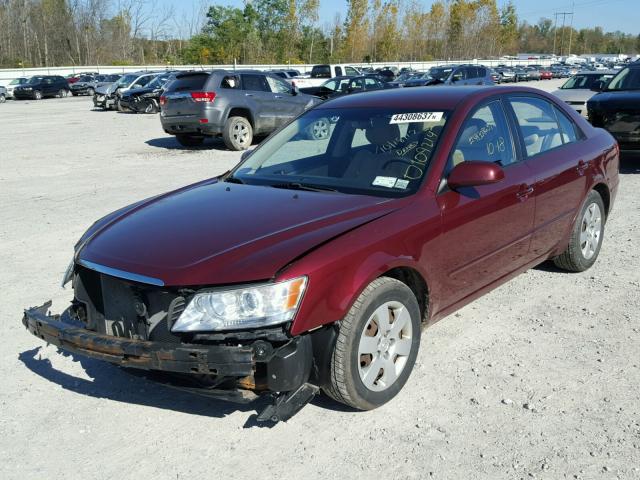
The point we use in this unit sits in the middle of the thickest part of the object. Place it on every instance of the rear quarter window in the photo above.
(189, 82)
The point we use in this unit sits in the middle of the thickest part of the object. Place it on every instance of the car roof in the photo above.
(433, 97)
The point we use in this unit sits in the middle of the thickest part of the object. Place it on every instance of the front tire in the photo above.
(376, 347)
(586, 236)
(189, 140)
(37, 95)
(62, 93)
(237, 133)
(2, 98)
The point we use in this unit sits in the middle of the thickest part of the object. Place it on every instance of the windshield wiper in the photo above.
(303, 186)
(231, 179)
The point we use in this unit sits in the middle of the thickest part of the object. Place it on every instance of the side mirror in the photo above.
(474, 174)
(598, 86)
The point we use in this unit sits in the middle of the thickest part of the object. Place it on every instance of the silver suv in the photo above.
(461, 75)
(237, 104)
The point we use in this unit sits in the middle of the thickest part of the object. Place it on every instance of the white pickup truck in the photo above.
(322, 73)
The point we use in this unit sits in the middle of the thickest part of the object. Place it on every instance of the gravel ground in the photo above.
(538, 379)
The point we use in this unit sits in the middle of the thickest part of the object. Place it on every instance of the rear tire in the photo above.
(2, 98)
(37, 95)
(189, 140)
(367, 345)
(90, 92)
(586, 236)
(151, 107)
(237, 133)
(62, 93)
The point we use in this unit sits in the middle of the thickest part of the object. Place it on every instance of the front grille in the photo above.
(126, 309)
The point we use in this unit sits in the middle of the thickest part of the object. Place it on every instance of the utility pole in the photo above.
(571, 26)
(564, 16)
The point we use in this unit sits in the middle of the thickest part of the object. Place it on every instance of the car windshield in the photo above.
(126, 80)
(35, 80)
(85, 78)
(369, 151)
(582, 81)
(18, 81)
(158, 81)
(336, 84)
(626, 79)
(440, 73)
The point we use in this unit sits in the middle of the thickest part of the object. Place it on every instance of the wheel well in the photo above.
(241, 112)
(412, 278)
(603, 191)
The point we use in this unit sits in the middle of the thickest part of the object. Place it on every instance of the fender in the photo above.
(333, 287)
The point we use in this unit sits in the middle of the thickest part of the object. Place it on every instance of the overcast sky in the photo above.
(611, 15)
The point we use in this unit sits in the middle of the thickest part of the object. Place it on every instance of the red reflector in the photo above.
(204, 120)
(203, 96)
(163, 100)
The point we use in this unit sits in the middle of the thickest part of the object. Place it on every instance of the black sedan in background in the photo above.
(40, 86)
(617, 107)
(339, 86)
(147, 99)
(87, 84)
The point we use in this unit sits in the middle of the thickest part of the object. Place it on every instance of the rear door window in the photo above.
(256, 83)
(538, 124)
(192, 82)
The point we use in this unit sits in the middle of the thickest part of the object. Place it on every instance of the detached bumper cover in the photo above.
(219, 360)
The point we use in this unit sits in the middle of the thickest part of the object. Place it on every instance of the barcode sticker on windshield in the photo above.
(416, 117)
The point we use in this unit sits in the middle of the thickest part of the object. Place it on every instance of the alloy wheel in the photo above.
(240, 133)
(385, 345)
(590, 230)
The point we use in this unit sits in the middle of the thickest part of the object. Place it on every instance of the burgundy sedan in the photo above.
(315, 263)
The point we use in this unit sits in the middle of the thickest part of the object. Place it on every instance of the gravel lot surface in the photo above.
(539, 379)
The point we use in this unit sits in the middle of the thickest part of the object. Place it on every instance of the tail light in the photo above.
(163, 100)
(207, 97)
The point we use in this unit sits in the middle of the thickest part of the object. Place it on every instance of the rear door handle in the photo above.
(524, 192)
(278, 96)
(582, 167)
(248, 94)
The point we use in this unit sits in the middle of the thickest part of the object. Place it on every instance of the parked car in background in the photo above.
(507, 75)
(533, 73)
(420, 80)
(111, 96)
(3, 94)
(545, 74)
(616, 107)
(404, 77)
(41, 86)
(315, 264)
(237, 105)
(14, 83)
(521, 74)
(578, 89)
(461, 75)
(287, 75)
(147, 99)
(86, 84)
(321, 73)
(344, 85)
(495, 76)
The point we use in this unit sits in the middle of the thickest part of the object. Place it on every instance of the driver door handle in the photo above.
(248, 94)
(524, 192)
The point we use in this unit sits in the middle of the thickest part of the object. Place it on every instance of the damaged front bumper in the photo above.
(238, 373)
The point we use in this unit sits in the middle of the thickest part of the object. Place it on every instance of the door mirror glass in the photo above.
(473, 174)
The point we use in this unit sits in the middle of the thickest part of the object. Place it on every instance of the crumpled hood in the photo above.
(216, 233)
(104, 89)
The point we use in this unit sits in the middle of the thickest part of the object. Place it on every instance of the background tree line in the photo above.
(101, 32)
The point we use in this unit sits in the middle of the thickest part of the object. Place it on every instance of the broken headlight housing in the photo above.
(244, 307)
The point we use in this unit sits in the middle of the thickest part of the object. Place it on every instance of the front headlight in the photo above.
(68, 274)
(246, 307)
